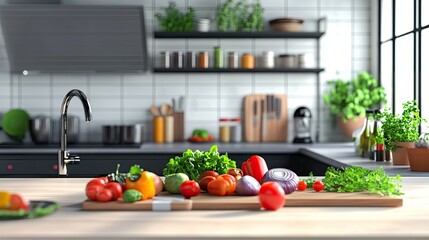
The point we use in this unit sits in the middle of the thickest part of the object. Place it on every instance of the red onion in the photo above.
(247, 186)
(287, 179)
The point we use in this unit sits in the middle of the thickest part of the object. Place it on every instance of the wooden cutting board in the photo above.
(205, 201)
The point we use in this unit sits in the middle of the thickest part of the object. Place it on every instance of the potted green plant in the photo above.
(400, 131)
(240, 16)
(348, 100)
(175, 21)
(419, 156)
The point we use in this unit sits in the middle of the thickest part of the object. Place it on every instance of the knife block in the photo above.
(265, 118)
(179, 126)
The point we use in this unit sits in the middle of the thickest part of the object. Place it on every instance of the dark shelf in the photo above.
(314, 35)
(239, 70)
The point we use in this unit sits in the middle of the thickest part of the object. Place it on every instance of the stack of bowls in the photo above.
(202, 25)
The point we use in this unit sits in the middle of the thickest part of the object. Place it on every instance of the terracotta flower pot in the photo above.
(419, 159)
(350, 125)
(400, 154)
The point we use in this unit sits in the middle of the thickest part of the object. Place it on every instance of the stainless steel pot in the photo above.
(111, 134)
(132, 134)
(40, 129)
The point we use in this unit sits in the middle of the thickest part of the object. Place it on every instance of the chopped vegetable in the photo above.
(356, 179)
(286, 178)
(132, 195)
(193, 163)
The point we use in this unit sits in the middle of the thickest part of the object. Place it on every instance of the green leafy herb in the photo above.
(309, 180)
(240, 16)
(135, 172)
(357, 179)
(193, 163)
(351, 99)
(175, 21)
(400, 127)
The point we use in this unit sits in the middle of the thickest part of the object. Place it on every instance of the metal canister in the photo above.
(203, 59)
(218, 57)
(232, 59)
(178, 59)
(165, 59)
(191, 59)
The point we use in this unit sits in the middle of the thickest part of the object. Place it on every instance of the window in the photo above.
(403, 37)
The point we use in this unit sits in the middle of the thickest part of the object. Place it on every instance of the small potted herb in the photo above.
(348, 100)
(400, 131)
(240, 16)
(419, 156)
(175, 21)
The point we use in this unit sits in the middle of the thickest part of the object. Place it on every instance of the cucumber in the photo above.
(132, 195)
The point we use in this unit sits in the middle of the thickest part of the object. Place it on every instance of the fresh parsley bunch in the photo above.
(357, 179)
(193, 163)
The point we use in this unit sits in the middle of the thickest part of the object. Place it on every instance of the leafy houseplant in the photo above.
(350, 99)
(238, 17)
(175, 21)
(401, 127)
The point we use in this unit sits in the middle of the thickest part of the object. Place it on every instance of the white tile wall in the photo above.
(126, 98)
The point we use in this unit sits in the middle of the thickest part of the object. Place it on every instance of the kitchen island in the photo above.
(70, 221)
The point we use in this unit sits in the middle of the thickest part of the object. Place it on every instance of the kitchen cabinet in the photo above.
(321, 26)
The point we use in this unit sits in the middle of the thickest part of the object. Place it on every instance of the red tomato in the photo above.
(205, 181)
(231, 183)
(97, 181)
(105, 195)
(208, 173)
(116, 190)
(218, 187)
(318, 186)
(18, 202)
(302, 186)
(190, 189)
(92, 191)
(271, 196)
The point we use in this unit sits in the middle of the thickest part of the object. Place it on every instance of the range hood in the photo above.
(74, 38)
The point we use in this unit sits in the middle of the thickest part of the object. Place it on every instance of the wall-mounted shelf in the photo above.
(267, 34)
(238, 70)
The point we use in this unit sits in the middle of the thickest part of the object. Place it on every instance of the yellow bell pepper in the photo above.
(4, 200)
(144, 184)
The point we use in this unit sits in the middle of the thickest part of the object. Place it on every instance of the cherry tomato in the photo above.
(205, 181)
(116, 190)
(232, 185)
(105, 195)
(302, 186)
(92, 191)
(271, 196)
(190, 189)
(208, 173)
(18, 202)
(318, 186)
(218, 187)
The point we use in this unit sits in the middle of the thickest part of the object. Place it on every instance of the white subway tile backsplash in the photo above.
(126, 98)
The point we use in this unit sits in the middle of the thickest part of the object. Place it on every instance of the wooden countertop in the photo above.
(70, 221)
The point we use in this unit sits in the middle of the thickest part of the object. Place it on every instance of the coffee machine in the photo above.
(302, 125)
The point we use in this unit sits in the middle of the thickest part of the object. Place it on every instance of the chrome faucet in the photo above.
(64, 156)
